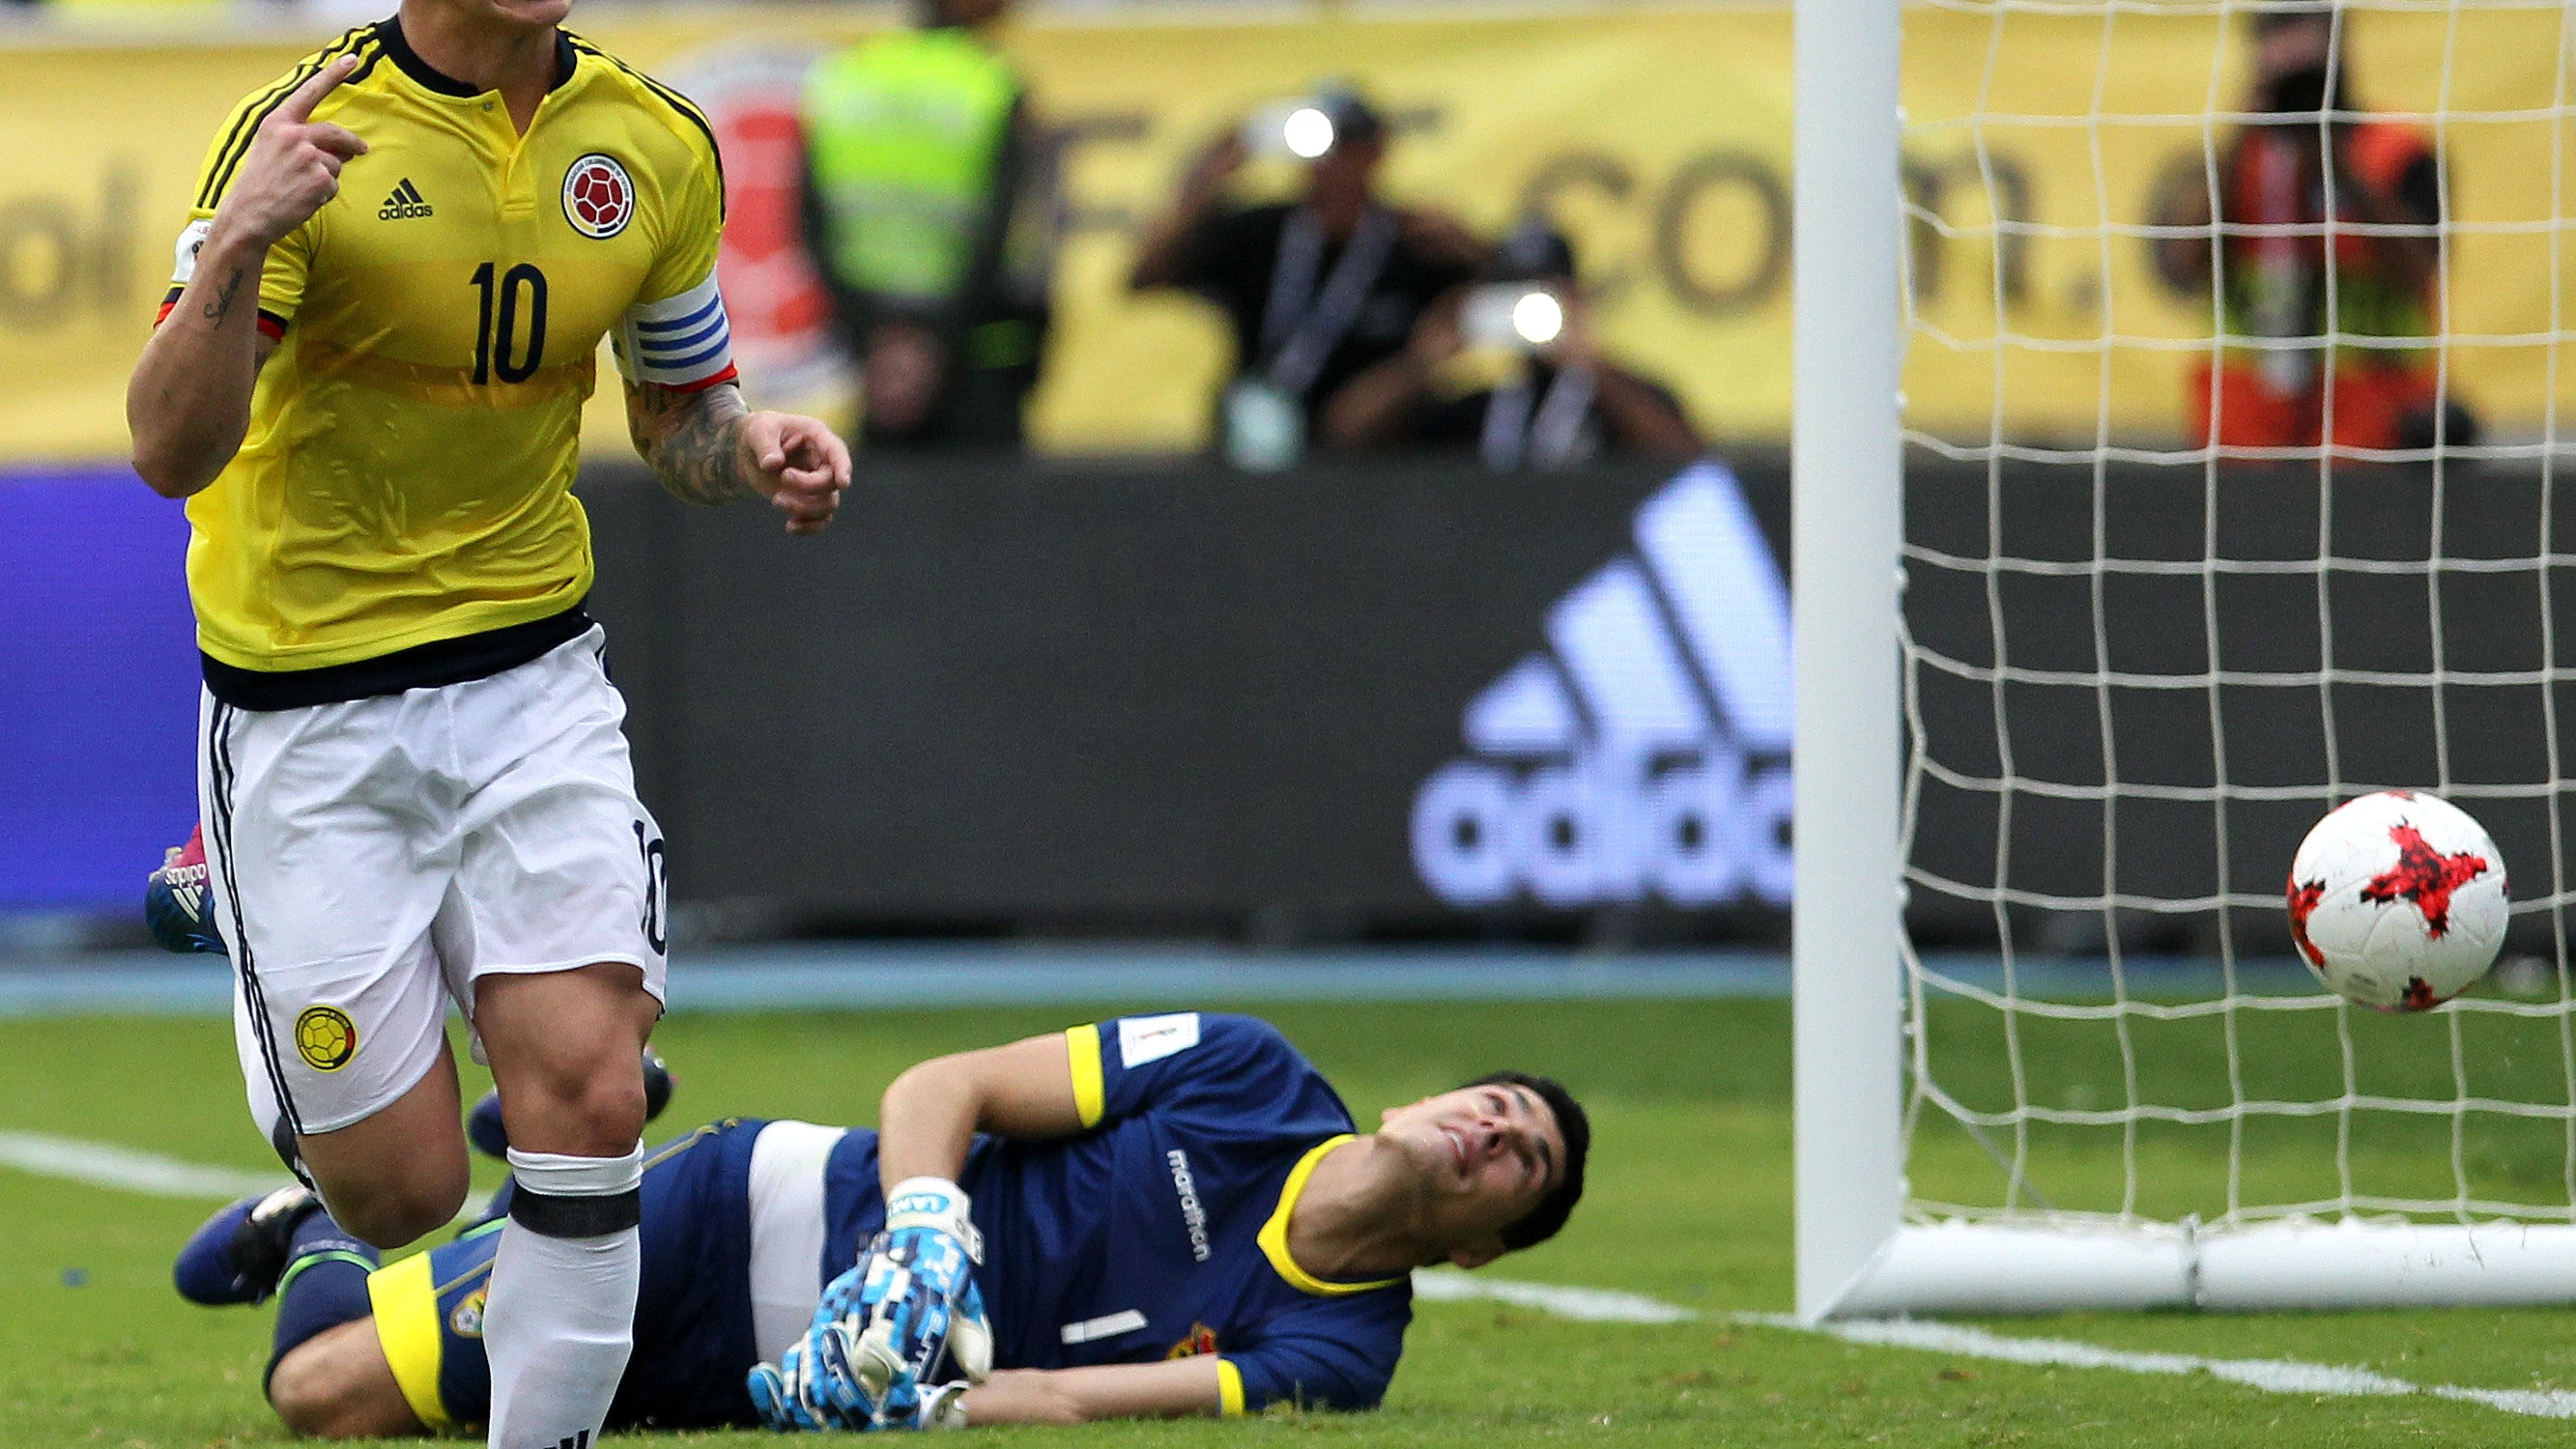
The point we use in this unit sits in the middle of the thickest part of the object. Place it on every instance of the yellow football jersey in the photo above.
(406, 476)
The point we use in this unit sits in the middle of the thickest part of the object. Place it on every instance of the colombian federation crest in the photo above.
(598, 196)
(325, 1037)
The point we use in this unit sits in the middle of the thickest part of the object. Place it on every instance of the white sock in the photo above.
(560, 1321)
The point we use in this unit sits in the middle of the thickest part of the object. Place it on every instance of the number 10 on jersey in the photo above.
(496, 331)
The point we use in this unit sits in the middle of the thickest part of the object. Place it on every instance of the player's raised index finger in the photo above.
(299, 106)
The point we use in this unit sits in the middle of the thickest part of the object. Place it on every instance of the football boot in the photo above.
(240, 1252)
(178, 903)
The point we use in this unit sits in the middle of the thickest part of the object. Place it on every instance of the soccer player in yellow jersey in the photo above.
(367, 383)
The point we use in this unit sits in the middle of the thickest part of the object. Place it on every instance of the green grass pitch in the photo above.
(1689, 1203)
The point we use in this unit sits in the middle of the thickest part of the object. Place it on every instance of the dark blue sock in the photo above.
(325, 1284)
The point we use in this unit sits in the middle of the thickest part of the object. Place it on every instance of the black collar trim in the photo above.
(430, 78)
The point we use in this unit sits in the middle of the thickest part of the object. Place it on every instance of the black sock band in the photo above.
(559, 1216)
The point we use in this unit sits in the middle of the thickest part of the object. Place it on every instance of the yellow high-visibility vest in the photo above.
(903, 133)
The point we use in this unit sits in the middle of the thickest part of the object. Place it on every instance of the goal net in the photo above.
(2228, 343)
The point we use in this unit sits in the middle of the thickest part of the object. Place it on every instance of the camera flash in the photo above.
(1309, 132)
(1537, 318)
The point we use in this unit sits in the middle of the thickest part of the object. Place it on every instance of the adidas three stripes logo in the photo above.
(1644, 751)
(405, 202)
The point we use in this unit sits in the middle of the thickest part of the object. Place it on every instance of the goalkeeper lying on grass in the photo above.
(1158, 1215)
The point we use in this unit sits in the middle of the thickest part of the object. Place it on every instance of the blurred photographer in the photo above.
(1556, 401)
(1315, 292)
(2314, 157)
(930, 213)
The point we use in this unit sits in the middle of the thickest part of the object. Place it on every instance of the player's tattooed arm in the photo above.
(692, 440)
(188, 403)
(706, 447)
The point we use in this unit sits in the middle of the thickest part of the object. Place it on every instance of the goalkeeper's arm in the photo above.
(1320, 1357)
(929, 1117)
(927, 1123)
(1174, 1388)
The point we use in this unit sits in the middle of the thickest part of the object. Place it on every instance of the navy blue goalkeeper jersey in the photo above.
(1162, 1231)
(1158, 1232)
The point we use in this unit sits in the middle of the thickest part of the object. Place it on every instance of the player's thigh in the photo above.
(559, 865)
(328, 881)
(553, 925)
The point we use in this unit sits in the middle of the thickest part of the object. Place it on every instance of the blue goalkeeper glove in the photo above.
(811, 1389)
(916, 1309)
(943, 1406)
(908, 1314)
(178, 903)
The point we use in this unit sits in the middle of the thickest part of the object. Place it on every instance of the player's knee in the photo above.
(579, 1119)
(301, 1390)
(612, 1107)
(609, 1110)
(315, 1394)
(392, 1222)
(581, 1108)
(394, 1209)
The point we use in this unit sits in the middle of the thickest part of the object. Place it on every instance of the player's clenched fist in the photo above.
(294, 161)
(798, 464)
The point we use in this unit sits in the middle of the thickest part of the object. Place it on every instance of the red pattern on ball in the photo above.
(2303, 903)
(2425, 876)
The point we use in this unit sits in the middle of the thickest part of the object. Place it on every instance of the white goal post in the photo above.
(1868, 1083)
(1846, 524)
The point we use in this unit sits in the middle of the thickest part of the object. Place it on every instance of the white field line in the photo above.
(1589, 1305)
(104, 1164)
(2271, 1375)
(2276, 1376)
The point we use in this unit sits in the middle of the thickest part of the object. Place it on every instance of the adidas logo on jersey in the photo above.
(405, 202)
(1645, 751)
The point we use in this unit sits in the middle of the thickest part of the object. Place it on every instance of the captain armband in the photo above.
(681, 342)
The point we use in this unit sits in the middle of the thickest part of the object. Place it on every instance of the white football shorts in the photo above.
(373, 859)
(788, 1274)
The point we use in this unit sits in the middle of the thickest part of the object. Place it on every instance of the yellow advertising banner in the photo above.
(1658, 138)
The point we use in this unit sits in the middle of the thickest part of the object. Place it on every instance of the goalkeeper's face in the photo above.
(1484, 1156)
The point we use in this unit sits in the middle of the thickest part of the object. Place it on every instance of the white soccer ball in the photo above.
(2397, 900)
